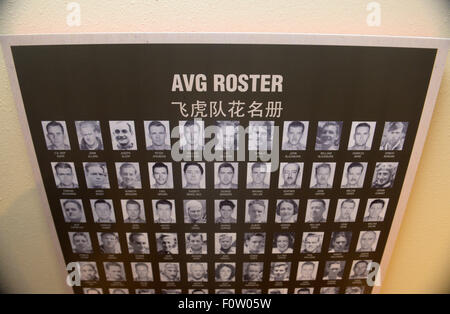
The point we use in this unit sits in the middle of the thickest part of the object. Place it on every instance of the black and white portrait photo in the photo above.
(256, 211)
(225, 272)
(196, 243)
(361, 135)
(123, 135)
(225, 243)
(227, 135)
(375, 209)
(197, 272)
(161, 175)
(89, 271)
(193, 175)
(169, 272)
(260, 135)
(252, 271)
(333, 270)
(394, 134)
(286, 211)
(157, 135)
(96, 174)
(317, 210)
(312, 242)
(322, 175)
(328, 135)
(109, 242)
(225, 211)
(133, 211)
(360, 269)
(280, 271)
(290, 175)
(307, 270)
(103, 211)
(258, 175)
(367, 241)
(254, 243)
(81, 242)
(384, 175)
(304, 290)
(354, 174)
(128, 175)
(166, 243)
(114, 271)
(192, 135)
(194, 211)
(65, 175)
(340, 242)
(89, 135)
(164, 211)
(137, 243)
(92, 290)
(73, 210)
(224, 291)
(295, 135)
(142, 271)
(346, 210)
(283, 243)
(226, 175)
(55, 133)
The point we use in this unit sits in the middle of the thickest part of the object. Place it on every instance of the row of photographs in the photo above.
(225, 211)
(302, 290)
(192, 135)
(225, 175)
(167, 243)
(227, 271)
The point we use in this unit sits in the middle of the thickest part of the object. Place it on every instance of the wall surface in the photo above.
(422, 253)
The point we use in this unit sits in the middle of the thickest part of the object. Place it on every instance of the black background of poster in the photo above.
(133, 82)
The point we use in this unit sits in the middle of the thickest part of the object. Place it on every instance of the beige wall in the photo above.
(422, 253)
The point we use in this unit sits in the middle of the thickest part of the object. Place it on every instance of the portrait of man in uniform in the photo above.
(254, 243)
(225, 211)
(65, 175)
(166, 243)
(328, 135)
(142, 271)
(56, 135)
(123, 135)
(109, 242)
(361, 136)
(96, 175)
(256, 211)
(346, 210)
(196, 243)
(317, 210)
(114, 271)
(89, 135)
(290, 175)
(334, 270)
(322, 175)
(225, 243)
(164, 211)
(226, 175)
(193, 175)
(295, 135)
(258, 175)
(133, 211)
(160, 175)
(353, 176)
(81, 242)
(394, 134)
(138, 243)
(157, 135)
(376, 209)
(73, 210)
(307, 271)
(128, 175)
(103, 211)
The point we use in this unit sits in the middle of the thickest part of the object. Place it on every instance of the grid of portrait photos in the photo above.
(137, 221)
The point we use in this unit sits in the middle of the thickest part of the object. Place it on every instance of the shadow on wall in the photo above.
(28, 261)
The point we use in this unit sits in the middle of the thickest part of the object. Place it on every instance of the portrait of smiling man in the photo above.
(160, 175)
(123, 135)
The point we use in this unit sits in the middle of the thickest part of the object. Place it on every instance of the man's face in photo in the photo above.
(171, 272)
(383, 176)
(160, 174)
(193, 175)
(158, 135)
(256, 213)
(226, 211)
(279, 272)
(142, 271)
(197, 271)
(329, 135)
(225, 242)
(226, 175)
(164, 212)
(168, 243)
(103, 211)
(312, 243)
(195, 212)
(367, 240)
(394, 135)
(195, 242)
(361, 136)
(317, 210)
(295, 135)
(360, 269)
(128, 175)
(89, 135)
(340, 243)
(282, 243)
(253, 272)
(192, 135)
(353, 175)
(255, 244)
(115, 272)
(290, 173)
(307, 270)
(133, 211)
(109, 240)
(80, 242)
(228, 134)
(347, 209)
(259, 174)
(87, 272)
(375, 210)
(334, 270)
(56, 135)
(122, 133)
(65, 176)
(322, 175)
(72, 211)
(139, 243)
(96, 175)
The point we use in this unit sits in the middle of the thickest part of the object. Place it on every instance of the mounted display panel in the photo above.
(224, 163)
